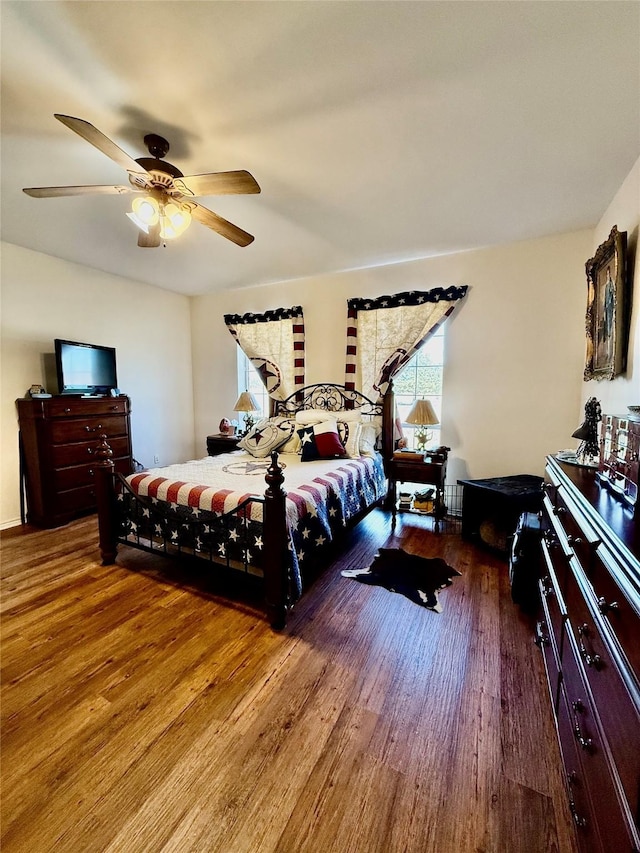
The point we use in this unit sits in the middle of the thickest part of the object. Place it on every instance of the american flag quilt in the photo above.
(213, 507)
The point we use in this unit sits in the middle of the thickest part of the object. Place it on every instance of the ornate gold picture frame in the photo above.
(607, 321)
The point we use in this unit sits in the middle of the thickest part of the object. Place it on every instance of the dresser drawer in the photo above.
(552, 600)
(579, 800)
(83, 407)
(84, 475)
(75, 454)
(544, 640)
(610, 803)
(616, 610)
(579, 535)
(618, 712)
(76, 500)
(63, 431)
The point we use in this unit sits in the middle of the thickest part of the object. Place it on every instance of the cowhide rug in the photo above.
(417, 578)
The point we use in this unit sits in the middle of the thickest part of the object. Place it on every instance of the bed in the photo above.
(216, 509)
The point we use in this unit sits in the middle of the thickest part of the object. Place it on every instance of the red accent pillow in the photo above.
(320, 441)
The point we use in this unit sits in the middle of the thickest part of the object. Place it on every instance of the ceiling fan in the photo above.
(164, 202)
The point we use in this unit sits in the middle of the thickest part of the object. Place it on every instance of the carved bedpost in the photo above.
(275, 546)
(388, 423)
(105, 495)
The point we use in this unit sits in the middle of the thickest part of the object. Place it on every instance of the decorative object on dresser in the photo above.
(492, 506)
(58, 438)
(429, 468)
(619, 457)
(589, 633)
(248, 404)
(422, 415)
(589, 449)
(608, 309)
(221, 443)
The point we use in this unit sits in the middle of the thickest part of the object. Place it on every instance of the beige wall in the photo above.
(45, 298)
(514, 351)
(624, 211)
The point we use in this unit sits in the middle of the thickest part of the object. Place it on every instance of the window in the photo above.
(422, 377)
(249, 380)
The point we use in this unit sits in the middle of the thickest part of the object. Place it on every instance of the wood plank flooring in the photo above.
(143, 711)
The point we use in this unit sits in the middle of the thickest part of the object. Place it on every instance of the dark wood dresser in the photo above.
(589, 632)
(58, 438)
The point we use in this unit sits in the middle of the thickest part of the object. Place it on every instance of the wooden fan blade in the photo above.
(53, 192)
(218, 183)
(150, 240)
(220, 225)
(102, 143)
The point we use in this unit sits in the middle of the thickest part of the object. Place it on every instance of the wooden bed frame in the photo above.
(111, 489)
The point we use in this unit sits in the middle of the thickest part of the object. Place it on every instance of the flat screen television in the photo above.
(85, 368)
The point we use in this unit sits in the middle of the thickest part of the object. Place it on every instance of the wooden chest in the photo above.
(58, 439)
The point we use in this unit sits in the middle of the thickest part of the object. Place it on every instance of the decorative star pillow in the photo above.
(266, 436)
(320, 441)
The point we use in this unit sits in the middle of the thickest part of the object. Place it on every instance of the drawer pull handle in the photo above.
(589, 658)
(93, 429)
(580, 822)
(67, 410)
(547, 586)
(559, 510)
(89, 449)
(541, 639)
(91, 472)
(605, 606)
(585, 742)
(574, 541)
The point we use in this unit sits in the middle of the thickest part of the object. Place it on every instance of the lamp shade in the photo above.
(422, 414)
(246, 402)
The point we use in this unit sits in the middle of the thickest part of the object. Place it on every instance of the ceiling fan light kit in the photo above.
(164, 203)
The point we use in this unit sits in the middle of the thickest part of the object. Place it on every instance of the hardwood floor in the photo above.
(143, 712)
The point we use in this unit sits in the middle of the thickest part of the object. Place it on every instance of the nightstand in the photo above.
(219, 443)
(432, 472)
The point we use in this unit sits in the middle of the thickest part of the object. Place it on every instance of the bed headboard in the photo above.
(333, 398)
(326, 396)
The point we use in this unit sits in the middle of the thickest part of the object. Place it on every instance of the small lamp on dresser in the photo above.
(422, 415)
(248, 404)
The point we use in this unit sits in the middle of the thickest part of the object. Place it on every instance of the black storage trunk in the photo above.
(525, 561)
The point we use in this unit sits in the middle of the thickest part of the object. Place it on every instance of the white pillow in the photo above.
(368, 440)
(306, 417)
(349, 415)
(349, 432)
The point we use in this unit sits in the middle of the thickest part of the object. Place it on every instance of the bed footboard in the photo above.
(111, 489)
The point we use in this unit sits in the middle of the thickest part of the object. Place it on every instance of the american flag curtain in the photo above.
(384, 333)
(274, 344)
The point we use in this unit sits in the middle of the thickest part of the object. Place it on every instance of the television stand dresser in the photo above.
(58, 437)
(589, 632)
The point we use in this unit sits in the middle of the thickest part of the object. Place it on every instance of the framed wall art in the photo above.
(607, 320)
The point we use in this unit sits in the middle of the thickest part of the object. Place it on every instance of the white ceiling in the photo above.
(378, 131)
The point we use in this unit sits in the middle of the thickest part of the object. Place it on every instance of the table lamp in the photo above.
(247, 403)
(422, 415)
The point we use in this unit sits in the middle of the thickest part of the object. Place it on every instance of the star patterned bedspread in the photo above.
(322, 497)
